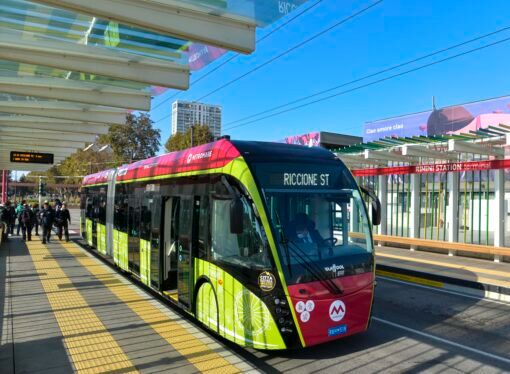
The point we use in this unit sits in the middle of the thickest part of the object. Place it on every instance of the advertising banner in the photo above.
(435, 168)
(312, 139)
(450, 120)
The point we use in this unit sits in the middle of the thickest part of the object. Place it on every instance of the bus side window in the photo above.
(247, 249)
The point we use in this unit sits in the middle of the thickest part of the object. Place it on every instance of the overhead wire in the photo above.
(235, 55)
(373, 83)
(371, 75)
(287, 51)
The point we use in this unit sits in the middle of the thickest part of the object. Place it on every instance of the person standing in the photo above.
(12, 217)
(47, 217)
(18, 210)
(26, 218)
(35, 223)
(6, 219)
(62, 220)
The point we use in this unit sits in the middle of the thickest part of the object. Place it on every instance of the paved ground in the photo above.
(415, 328)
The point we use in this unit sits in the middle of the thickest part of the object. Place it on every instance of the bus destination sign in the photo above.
(32, 157)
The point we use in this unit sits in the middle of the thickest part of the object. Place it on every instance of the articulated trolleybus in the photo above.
(269, 245)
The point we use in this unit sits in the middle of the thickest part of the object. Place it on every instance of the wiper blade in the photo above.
(316, 271)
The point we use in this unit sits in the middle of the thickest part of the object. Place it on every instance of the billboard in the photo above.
(455, 119)
(312, 139)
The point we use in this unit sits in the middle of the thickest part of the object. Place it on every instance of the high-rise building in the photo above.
(186, 114)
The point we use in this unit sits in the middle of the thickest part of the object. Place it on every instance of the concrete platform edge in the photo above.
(478, 289)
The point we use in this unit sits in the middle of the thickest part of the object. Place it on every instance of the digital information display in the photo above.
(32, 157)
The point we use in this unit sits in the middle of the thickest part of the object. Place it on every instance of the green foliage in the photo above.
(136, 140)
(178, 142)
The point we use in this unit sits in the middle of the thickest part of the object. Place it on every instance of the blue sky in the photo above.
(391, 33)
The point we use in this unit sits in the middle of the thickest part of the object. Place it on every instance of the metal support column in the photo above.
(452, 218)
(499, 211)
(4, 186)
(414, 219)
(382, 193)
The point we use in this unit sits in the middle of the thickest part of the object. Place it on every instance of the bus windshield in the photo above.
(322, 232)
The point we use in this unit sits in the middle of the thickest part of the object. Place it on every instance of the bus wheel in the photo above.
(206, 307)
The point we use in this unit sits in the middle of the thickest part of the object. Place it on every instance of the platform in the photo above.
(64, 310)
(439, 269)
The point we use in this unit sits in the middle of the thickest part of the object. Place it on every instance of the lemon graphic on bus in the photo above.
(251, 314)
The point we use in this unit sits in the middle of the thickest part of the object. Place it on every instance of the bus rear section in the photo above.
(322, 232)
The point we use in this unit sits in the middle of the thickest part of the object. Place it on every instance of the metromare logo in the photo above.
(337, 330)
(337, 310)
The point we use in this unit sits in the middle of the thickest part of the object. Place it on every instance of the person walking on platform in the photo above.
(18, 210)
(26, 218)
(62, 221)
(6, 219)
(47, 217)
(35, 223)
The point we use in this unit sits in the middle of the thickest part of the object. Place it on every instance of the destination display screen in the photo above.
(32, 157)
(302, 176)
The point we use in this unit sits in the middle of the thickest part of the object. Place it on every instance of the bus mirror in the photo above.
(236, 216)
(376, 212)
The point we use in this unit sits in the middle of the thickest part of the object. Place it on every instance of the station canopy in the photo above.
(69, 69)
(484, 143)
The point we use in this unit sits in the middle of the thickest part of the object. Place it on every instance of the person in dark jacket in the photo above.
(26, 218)
(5, 218)
(47, 217)
(12, 217)
(35, 224)
(62, 221)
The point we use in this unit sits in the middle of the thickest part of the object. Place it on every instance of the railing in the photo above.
(438, 244)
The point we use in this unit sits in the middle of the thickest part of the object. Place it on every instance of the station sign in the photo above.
(435, 168)
(31, 157)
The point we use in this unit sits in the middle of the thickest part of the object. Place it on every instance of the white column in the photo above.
(382, 193)
(452, 219)
(499, 211)
(414, 219)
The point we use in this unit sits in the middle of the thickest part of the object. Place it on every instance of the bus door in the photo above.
(184, 249)
(170, 224)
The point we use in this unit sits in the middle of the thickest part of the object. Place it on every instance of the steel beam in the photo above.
(421, 151)
(43, 123)
(387, 156)
(24, 167)
(45, 142)
(29, 48)
(76, 91)
(66, 111)
(42, 134)
(462, 146)
(176, 18)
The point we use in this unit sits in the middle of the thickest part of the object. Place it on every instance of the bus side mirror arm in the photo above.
(375, 204)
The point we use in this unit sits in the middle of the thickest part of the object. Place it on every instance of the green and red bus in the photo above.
(269, 245)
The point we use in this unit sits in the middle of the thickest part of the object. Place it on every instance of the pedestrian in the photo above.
(47, 215)
(12, 217)
(18, 210)
(5, 218)
(35, 224)
(62, 220)
(26, 218)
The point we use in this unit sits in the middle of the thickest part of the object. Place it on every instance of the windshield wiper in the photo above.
(316, 271)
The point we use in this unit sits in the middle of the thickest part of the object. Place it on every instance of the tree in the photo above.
(136, 140)
(201, 135)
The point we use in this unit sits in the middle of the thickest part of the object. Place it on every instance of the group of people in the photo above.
(30, 217)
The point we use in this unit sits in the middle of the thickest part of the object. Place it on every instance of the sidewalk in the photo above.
(480, 277)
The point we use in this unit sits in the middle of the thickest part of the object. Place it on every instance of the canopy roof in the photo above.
(77, 66)
(483, 143)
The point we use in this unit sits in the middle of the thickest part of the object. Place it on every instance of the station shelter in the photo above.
(453, 188)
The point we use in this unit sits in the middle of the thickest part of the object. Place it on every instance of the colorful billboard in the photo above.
(450, 120)
(312, 139)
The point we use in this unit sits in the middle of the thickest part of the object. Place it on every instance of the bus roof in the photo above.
(210, 156)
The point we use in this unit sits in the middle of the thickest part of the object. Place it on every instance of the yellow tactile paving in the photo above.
(193, 349)
(92, 349)
(444, 264)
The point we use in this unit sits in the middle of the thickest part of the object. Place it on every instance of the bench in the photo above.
(497, 252)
